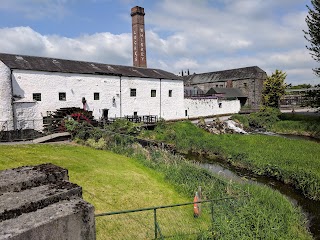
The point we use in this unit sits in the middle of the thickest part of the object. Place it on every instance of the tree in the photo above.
(273, 89)
(312, 97)
(313, 34)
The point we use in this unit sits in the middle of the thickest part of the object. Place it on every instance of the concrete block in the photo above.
(13, 204)
(17, 179)
(69, 220)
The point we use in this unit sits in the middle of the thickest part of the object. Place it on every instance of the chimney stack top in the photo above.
(137, 11)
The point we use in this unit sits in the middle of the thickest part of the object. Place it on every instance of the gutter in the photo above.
(12, 103)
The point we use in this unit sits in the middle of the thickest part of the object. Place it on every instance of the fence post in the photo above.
(155, 223)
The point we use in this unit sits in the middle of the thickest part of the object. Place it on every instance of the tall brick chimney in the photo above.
(138, 37)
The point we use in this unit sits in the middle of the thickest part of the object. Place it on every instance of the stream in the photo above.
(309, 207)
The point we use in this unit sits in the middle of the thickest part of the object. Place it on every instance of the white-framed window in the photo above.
(153, 93)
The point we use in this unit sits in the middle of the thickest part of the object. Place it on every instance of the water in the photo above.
(309, 207)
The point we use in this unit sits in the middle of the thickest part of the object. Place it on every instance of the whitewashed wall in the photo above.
(114, 94)
(172, 107)
(209, 107)
(6, 112)
(76, 86)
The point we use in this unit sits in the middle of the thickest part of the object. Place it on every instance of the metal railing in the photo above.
(175, 221)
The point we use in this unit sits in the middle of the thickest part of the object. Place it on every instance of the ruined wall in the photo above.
(210, 107)
(40, 203)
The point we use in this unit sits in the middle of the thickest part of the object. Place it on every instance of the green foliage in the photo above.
(265, 118)
(298, 124)
(266, 214)
(265, 155)
(313, 33)
(313, 97)
(100, 144)
(273, 89)
(299, 86)
(125, 127)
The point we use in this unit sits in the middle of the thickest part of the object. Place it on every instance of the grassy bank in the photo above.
(298, 125)
(283, 123)
(296, 162)
(111, 182)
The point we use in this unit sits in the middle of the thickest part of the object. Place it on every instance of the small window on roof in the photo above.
(36, 96)
(19, 58)
(62, 96)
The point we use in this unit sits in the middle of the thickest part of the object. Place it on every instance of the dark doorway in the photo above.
(105, 113)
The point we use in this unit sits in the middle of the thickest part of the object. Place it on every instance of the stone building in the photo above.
(248, 80)
(30, 87)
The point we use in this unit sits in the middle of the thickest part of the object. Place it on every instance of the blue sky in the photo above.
(200, 35)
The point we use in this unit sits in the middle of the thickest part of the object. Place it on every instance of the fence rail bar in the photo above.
(167, 206)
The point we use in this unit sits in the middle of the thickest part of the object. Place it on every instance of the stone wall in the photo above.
(40, 203)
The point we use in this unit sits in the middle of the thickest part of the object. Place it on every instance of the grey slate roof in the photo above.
(253, 72)
(33, 63)
(226, 92)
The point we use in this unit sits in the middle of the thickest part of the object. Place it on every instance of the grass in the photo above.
(298, 125)
(296, 162)
(112, 182)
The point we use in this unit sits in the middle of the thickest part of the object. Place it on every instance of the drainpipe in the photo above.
(160, 97)
(120, 96)
(12, 104)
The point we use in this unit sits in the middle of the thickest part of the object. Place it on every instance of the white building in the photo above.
(32, 86)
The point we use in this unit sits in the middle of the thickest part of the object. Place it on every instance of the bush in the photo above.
(125, 127)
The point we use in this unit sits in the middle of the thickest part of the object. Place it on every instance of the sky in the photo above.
(199, 35)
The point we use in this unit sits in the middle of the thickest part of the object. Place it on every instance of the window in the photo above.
(36, 96)
(133, 92)
(245, 85)
(170, 93)
(96, 96)
(153, 93)
(186, 112)
(62, 96)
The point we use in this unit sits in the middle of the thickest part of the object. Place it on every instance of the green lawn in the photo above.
(110, 182)
(113, 182)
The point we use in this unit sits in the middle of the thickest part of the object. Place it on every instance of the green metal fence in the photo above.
(165, 222)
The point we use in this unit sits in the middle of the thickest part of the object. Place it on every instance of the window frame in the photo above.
(133, 92)
(96, 96)
(36, 97)
(153, 93)
(61, 98)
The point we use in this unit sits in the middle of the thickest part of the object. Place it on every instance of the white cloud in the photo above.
(100, 47)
